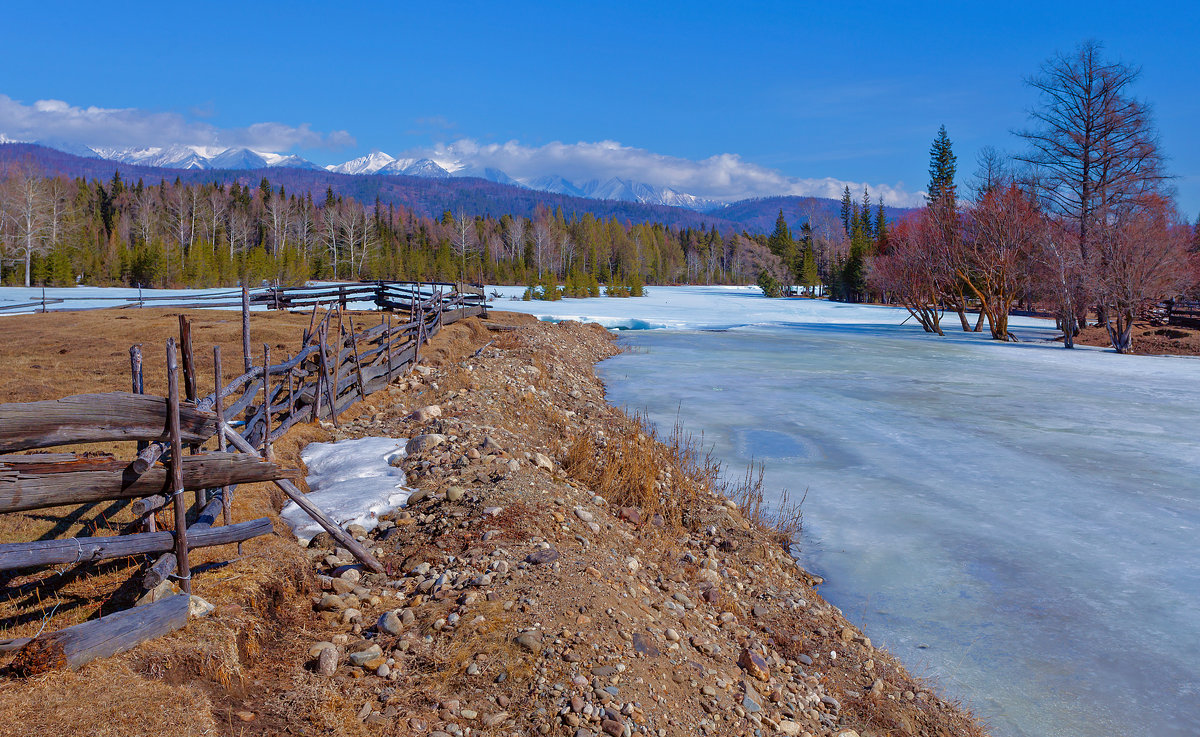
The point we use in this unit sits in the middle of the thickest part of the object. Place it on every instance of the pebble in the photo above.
(327, 661)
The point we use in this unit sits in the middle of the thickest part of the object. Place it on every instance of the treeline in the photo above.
(1082, 225)
(59, 231)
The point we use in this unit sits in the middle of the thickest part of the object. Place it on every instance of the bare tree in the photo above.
(542, 234)
(27, 211)
(1094, 147)
(1003, 228)
(1141, 255)
(913, 271)
(514, 237)
(464, 239)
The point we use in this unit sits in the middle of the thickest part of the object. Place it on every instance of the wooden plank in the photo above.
(95, 418)
(72, 647)
(51, 480)
(80, 549)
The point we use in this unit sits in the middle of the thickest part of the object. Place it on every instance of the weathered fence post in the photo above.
(388, 345)
(219, 408)
(189, 385)
(246, 328)
(362, 385)
(181, 552)
(148, 523)
(267, 452)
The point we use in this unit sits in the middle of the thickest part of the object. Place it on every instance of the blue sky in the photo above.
(782, 94)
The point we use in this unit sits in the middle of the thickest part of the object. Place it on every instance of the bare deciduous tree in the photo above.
(27, 213)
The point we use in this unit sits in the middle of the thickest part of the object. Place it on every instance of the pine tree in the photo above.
(942, 163)
(847, 205)
(880, 225)
(781, 239)
(865, 216)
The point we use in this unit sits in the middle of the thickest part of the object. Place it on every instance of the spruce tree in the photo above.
(847, 205)
(942, 163)
(880, 224)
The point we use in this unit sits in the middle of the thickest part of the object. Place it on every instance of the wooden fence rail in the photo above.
(334, 367)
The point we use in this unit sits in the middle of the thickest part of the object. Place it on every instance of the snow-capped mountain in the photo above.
(368, 164)
(201, 157)
(377, 162)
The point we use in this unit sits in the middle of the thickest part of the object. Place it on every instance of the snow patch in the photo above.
(352, 481)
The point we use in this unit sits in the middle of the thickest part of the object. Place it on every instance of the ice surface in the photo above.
(352, 482)
(1016, 522)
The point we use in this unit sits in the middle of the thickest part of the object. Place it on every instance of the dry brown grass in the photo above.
(244, 655)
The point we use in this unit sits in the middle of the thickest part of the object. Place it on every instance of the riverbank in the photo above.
(559, 571)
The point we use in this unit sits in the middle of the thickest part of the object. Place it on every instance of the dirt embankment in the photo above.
(561, 570)
(1169, 340)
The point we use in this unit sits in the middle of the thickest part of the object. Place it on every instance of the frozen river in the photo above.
(1017, 522)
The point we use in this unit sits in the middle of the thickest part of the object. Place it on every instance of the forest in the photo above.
(58, 231)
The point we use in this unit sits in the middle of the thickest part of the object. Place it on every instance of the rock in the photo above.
(327, 661)
(489, 446)
(389, 623)
(161, 591)
(584, 515)
(493, 720)
(198, 607)
(804, 659)
(316, 649)
(790, 728)
(644, 645)
(751, 699)
(671, 635)
(546, 555)
(612, 727)
(754, 665)
(421, 443)
(846, 733)
(468, 714)
(632, 515)
(426, 414)
(416, 497)
(542, 461)
(365, 656)
(531, 641)
(454, 493)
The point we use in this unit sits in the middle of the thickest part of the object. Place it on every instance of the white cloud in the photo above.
(721, 177)
(61, 122)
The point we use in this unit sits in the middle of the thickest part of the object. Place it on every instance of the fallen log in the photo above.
(55, 479)
(80, 549)
(74, 646)
(92, 418)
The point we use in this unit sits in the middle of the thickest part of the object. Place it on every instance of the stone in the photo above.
(751, 699)
(632, 515)
(316, 649)
(198, 607)
(790, 728)
(365, 656)
(454, 493)
(612, 727)
(389, 623)
(327, 661)
(542, 461)
(671, 635)
(489, 446)
(644, 645)
(754, 665)
(426, 414)
(468, 714)
(421, 443)
(494, 720)
(546, 555)
(531, 641)
(584, 515)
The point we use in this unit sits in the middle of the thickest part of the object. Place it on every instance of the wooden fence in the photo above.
(336, 364)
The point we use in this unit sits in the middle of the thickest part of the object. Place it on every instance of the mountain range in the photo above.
(426, 187)
(210, 157)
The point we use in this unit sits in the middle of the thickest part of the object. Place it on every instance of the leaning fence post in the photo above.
(267, 452)
(246, 328)
(183, 570)
(189, 384)
(388, 346)
(219, 408)
(148, 522)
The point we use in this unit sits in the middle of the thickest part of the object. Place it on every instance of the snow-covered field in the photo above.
(1018, 522)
